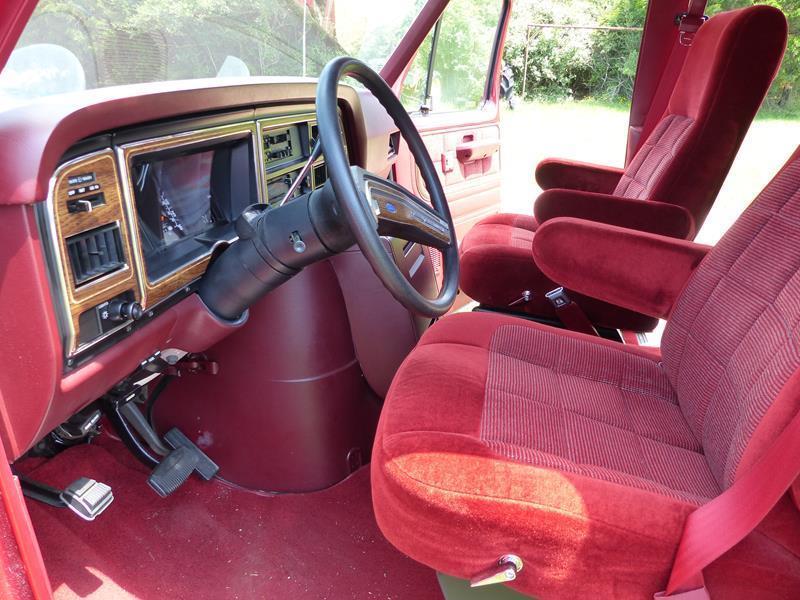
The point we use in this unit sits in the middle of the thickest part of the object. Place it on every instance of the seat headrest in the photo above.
(752, 40)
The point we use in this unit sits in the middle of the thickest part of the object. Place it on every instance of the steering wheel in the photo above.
(374, 206)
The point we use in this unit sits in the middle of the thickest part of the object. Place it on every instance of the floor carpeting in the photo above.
(209, 540)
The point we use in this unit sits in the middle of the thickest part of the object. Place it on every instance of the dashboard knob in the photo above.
(135, 311)
(122, 311)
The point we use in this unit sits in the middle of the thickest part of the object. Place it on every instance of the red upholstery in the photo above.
(684, 161)
(637, 270)
(555, 173)
(656, 217)
(584, 457)
(649, 167)
(497, 266)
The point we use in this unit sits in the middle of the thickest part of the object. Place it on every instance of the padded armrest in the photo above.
(644, 215)
(632, 269)
(554, 173)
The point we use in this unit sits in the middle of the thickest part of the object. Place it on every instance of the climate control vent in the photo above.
(95, 253)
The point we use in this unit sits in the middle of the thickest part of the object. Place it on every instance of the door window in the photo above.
(450, 70)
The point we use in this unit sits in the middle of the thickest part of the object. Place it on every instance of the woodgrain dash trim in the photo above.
(66, 224)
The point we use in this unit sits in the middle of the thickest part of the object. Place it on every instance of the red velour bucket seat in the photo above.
(678, 171)
(585, 457)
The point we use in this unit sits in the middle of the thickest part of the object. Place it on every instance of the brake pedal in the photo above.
(206, 467)
(87, 498)
(184, 459)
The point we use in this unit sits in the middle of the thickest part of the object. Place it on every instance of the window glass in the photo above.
(772, 137)
(461, 62)
(572, 65)
(70, 45)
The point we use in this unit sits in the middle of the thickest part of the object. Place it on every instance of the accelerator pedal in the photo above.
(184, 459)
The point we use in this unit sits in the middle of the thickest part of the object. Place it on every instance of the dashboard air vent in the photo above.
(95, 253)
(394, 144)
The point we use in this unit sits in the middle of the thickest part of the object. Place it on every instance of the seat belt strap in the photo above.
(691, 21)
(570, 314)
(718, 526)
(688, 24)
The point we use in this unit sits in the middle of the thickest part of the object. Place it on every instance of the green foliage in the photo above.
(580, 64)
(463, 53)
(559, 61)
(616, 53)
(464, 50)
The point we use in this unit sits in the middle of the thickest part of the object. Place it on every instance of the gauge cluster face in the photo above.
(287, 147)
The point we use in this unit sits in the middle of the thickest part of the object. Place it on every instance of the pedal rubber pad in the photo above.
(87, 498)
(176, 467)
(173, 471)
(205, 467)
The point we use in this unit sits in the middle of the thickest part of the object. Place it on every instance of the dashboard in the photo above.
(113, 202)
(132, 226)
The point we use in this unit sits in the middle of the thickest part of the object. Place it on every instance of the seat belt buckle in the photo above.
(558, 298)
(696, 594)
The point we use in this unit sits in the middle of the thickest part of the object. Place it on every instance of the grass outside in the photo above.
(596, 133)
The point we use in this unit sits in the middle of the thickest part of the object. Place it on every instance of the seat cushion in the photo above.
(497, 260)
(497, 266)
(500, 435)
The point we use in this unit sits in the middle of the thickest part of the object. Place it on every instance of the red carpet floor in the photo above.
(210, 541)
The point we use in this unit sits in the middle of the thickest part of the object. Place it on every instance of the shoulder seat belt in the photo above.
(691, 21)
(718, 526)
(688, 23)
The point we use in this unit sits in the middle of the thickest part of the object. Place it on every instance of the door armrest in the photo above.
(553, 173)
(636, 270)
(473, 151)
(644, 215)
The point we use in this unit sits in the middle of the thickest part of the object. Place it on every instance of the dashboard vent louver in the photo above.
(394, 144)
(95, 253)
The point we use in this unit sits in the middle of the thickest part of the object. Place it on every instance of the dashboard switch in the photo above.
(79, 206)
(119, 310)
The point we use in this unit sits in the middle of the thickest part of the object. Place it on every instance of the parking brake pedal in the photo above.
(175, 468)
(87, 498)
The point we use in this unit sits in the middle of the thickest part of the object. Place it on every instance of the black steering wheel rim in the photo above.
(349, 196)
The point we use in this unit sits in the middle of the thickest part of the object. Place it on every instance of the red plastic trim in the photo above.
(412, 40)
(13, 18)
(28, 546)
(38, 134)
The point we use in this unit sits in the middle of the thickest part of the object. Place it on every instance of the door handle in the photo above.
(473, 151)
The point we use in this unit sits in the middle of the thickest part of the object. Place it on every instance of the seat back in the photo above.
(727, 73)
(731, 348)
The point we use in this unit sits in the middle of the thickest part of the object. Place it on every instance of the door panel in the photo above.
(471, 183)
(451, 89)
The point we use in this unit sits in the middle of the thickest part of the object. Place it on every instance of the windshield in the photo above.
(74, 45)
